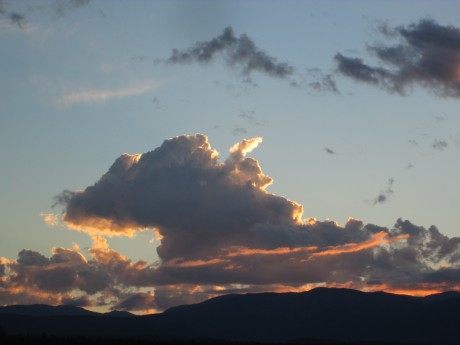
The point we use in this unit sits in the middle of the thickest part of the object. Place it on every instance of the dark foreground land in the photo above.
(53, 340)
(320, 316)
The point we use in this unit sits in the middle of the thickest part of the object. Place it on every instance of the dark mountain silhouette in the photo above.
(45, 310)
(322, 314)
(60, 310)
(119, 313)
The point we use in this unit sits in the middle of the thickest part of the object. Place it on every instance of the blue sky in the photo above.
(85, 81)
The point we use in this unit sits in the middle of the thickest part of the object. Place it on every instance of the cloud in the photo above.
(12, 21)
(82, 301)
(427, 54)
(62, 6)
(327, 83)
(439, 145)
(139, 58)
(136, 301)
(239, 52)
(320, 81)
(250, 117)
(220, 231)
(101, 95)
(239, 131)
(68, 277)
(19, 20)
(50, 218)
(385, 194)
(13, 17)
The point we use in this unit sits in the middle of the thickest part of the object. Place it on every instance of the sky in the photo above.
(156, 153)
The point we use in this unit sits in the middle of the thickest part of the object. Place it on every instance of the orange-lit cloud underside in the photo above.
(375, 241)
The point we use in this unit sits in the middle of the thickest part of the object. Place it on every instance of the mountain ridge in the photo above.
(322, 313)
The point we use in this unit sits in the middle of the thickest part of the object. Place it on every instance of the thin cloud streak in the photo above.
(101, 95)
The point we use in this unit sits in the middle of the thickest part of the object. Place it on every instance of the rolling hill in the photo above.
(321, 314)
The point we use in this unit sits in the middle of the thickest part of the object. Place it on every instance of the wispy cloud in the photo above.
(239, 52)
(50, 218)
(103, 95)
(61, 7)
(440, 145)
(14, 18)
(384, 194)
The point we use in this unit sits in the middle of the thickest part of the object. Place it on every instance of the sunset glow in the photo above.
(197, 150)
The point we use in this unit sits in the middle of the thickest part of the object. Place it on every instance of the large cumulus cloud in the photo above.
(426, 54)
(197, 204)
(220, 232)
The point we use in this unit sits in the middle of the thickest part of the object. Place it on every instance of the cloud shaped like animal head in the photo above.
(197, 204)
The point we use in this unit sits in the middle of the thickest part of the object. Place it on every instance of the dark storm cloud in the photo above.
(427, 54)
(239, 52)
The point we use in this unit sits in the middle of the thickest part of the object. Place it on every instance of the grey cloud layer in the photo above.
(240, 52)
(427, 54)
